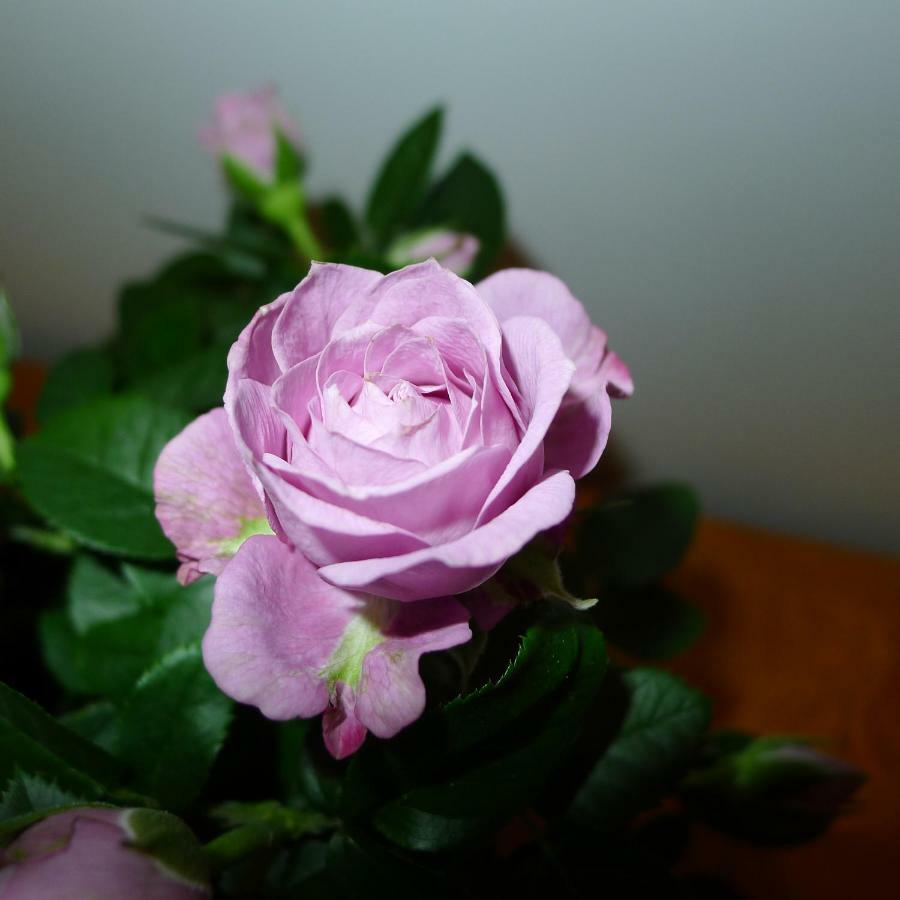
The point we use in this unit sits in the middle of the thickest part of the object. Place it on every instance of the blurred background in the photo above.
(719, 183)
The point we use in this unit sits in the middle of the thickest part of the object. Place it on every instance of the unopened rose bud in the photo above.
(773, 790)
(245, 127)
(104, 854)
(454, 250)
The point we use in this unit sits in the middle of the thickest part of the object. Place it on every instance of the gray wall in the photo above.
(719, 181)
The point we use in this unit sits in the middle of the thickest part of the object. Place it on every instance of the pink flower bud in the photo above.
(99, 853)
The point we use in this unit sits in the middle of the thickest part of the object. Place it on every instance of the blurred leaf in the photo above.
(97, 722)
(633, 539)
(467, 767)
(90, 473)
(113, 629)
(648, 623)
(245, 181)
(196, 383)
(403, 178)
(289, 162)
(662, 729)
(172, 727)
(33, 742)
(78, 377)
(468, 199)
(338, 224)
(9, 349)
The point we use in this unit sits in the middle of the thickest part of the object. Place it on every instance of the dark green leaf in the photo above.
(90, 473)
(78, 377)
(196, 383)
(363, 867)
(648, 623)
(27, 799)
(115, 628)
(662, 729)
(338, 224)
(468, 199)
(633, 539)
(33, 742)
(403, 177)
(472, 764)
(172, 727)
(97, 722)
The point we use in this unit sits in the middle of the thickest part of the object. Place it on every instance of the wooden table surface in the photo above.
(803, 639)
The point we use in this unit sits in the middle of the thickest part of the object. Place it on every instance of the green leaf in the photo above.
(172, 728)
(76, 378)
(9, 334)
(403, 177)
(90, 473)
(9, 348)
(466, 768)
(196, 383)
(469, 199)
(289, 162)
(636, 538)
(28, 793)
(243, 179)
(33, 742)
(27, 799)
(661, 731)
(650, 622)
(97, 722)
(114, 629)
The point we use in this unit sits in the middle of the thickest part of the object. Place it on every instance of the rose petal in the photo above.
(306, 323)
(291, 644)
(463, 564)
(205, 500)
(542, 373)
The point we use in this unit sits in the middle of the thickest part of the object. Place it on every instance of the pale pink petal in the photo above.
(306, 324)
(542, 373)
(205, 500)
(437, 504)
(463, 564)
(274, 626)
(291, 644)
(577, 439)
(325, 532)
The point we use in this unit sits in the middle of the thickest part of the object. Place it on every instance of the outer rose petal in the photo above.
(306, 323)
(288, 642)
(463, 564)
(205, 500)
(578, 437)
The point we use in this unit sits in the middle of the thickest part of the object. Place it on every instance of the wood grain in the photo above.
(802, 639)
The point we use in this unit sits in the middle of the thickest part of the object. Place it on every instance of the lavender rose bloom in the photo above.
(244, 127)
(402, 436)
(89, 852)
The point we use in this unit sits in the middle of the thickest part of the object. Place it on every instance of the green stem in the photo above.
(282, 827)
(304, 239)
